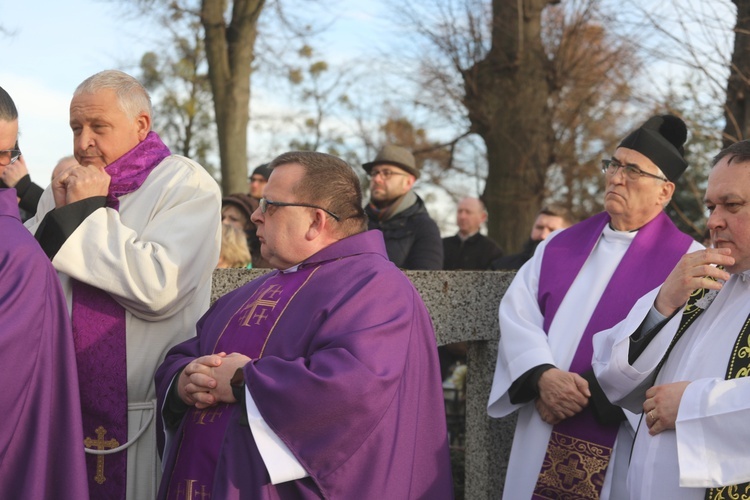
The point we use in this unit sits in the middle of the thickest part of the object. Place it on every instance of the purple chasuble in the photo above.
(349, 381)
(40, 443)
(100, 345)
(247, 332)
(580, 447)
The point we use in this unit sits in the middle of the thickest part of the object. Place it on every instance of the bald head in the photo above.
(470, 217)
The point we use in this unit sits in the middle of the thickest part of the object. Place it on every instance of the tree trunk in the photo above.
(230, 51)
(737, 110)
(507, 97)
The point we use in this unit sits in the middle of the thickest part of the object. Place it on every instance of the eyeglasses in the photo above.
(8, 156)
(385, 173)
(264, 203)
(632, 172)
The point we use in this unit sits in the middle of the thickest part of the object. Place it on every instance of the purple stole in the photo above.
(246, 332)
(580, 447)
(99, 338)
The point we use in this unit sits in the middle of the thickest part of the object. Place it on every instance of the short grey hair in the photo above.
(131, 95)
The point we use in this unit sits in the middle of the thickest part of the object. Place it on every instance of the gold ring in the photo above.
(651, 414)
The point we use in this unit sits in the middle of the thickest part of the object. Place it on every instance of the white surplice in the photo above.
(155, 256)
(524, 345)
(708, 448)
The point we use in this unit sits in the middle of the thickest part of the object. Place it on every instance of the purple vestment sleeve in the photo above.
(41, 446)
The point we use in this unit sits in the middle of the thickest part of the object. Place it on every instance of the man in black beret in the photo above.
(570, 442)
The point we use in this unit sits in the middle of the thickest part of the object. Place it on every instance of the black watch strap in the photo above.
(238, 385)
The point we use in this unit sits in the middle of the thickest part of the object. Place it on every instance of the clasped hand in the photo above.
(561, 395)
(204, 382)
(78, 183)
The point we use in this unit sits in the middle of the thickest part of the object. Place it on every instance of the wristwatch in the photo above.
(238, 385)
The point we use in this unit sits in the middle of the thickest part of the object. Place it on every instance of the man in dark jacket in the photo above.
(412, 238)
(469, 249)
(550, 218)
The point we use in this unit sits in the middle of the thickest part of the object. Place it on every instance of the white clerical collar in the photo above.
(612, 234)
(744, 276)
(292, 269)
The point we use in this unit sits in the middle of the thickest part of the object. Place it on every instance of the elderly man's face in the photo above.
(282, 231)
(102, 132)
(633, 203)
(728, 200)
(8, 137)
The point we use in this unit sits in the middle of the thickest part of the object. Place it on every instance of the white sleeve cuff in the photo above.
(281, 464)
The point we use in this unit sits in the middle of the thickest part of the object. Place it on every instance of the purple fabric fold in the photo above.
(40, 446)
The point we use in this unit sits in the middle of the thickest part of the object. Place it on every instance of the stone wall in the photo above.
(463, 306)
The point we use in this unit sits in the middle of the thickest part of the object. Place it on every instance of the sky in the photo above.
(53, 45)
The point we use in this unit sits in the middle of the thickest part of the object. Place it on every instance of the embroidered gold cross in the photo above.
(188, 491)
(264, 300)
(200, 416)
(100, 444)
(571, 472)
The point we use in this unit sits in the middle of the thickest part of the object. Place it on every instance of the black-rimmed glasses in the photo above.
(264, 203)
(632, 172)
(8, 156)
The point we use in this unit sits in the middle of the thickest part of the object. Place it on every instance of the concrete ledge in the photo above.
(463, 306)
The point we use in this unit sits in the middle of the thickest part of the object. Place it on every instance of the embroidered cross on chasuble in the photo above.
(247, 332)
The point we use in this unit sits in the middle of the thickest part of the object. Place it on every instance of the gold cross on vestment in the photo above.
(211, 414)
(188, 493)
(264, 300)
(571, 472)
(100, 444)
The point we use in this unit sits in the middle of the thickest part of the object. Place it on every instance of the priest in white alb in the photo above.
(570, 442)
(134, 233)
(681, 356)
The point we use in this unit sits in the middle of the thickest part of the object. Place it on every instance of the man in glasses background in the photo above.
(317, 380)
(569, 441)
(412, 238)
